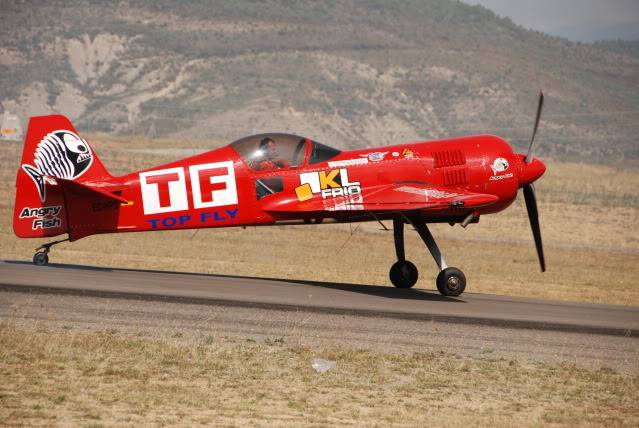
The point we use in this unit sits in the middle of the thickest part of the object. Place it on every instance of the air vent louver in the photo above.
(448, 158)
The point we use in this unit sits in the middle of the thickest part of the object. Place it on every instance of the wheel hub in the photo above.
(453, 283)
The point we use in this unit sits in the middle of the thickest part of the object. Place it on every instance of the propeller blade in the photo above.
(533, 216)
(540, 106)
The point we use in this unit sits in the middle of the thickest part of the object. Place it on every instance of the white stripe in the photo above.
(63, 161)
(46, 159)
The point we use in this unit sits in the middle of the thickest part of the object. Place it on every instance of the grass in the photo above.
(587, 214)
(61, 377)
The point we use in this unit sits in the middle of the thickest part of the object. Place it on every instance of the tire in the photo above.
(403, 274)
(40, 258)
(451, 282)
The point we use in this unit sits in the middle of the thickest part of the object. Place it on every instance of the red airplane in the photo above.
(273, 179)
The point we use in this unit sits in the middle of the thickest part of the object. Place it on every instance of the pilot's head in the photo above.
(268, 148)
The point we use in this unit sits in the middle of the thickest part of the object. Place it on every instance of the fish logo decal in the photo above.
(60, 154)
(500, 165)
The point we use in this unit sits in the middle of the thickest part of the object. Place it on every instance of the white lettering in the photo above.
(344, 178)
(500, 177)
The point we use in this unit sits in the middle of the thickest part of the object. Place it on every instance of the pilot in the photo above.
(269, 156)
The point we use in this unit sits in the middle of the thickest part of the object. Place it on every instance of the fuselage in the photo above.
(222, 188)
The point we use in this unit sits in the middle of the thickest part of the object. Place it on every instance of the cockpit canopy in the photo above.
(274, 151)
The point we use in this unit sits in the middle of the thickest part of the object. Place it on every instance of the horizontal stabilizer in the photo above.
(79, 189)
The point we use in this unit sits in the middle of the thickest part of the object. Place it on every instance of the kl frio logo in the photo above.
(328, 184)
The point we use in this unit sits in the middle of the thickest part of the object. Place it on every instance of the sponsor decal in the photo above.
(212, 185)
(395, 154)
(375, 156)
(429, 193)
(500, 165)
(408, 153)
(205, 217)
(28, 212)
(328, 184)
(43, 217)
(164, 190)
(500, 177)
(61, 154)
(348, 162)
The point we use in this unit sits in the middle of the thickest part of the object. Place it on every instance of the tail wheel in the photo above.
(451, 282)
(41, 258)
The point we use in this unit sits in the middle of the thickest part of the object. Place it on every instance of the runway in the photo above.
(331, 298)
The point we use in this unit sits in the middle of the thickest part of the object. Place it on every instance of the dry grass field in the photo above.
(70, 378)
(589, 217)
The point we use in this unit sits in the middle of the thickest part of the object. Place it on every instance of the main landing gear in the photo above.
(403, 274)
(41, 257)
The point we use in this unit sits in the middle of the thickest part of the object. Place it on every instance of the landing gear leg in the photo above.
(41, 257)
(450, 281)
(403, 274)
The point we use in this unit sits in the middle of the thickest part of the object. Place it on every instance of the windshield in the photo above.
(321, 153)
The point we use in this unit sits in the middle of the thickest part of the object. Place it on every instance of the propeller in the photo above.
(533, 171)
(540, 106)
(533, 216)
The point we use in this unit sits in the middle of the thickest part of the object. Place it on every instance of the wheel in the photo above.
(40, 258)
(403, 274)
(451, 282)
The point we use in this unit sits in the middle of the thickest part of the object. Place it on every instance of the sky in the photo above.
(582, 20)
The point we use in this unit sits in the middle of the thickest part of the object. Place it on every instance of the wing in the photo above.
(384, 198)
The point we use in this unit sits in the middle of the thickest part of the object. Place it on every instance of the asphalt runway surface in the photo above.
(317, 312)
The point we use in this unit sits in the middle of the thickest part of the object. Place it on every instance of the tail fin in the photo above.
(52, 149)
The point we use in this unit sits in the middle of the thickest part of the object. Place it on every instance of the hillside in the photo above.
(348, 73)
